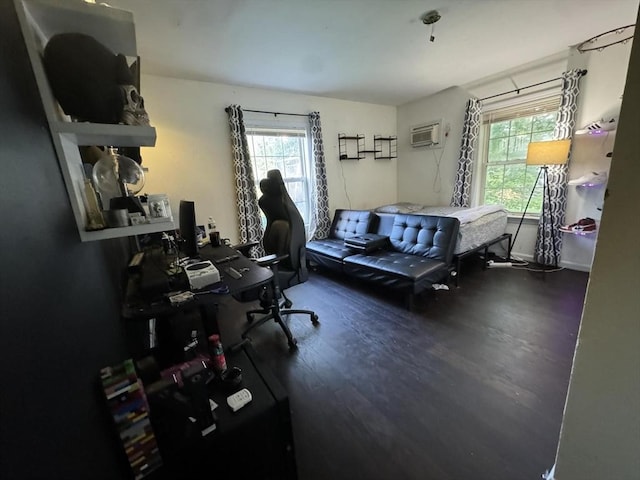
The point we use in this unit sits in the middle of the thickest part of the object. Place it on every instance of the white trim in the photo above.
(580, 267)
(575, 266)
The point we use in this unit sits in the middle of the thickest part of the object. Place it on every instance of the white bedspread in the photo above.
(467, 215)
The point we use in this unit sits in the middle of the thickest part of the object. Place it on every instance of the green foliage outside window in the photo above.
(508, 180)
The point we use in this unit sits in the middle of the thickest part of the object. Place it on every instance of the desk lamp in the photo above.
(118, 179)
(543, 154)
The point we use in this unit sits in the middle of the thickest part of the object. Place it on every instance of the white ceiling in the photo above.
(375, 51)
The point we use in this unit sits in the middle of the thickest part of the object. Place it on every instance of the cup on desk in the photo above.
(214, 238)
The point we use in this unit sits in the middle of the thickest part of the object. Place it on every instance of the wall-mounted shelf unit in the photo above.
(385, 148)
(347, 144)
(114, 28)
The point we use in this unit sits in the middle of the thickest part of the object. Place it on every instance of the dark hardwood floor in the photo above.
(471, 385)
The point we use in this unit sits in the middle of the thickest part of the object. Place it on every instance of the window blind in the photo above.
(537, 107)
(269, 132)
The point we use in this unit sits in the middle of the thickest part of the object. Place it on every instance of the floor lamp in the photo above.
(554, 152)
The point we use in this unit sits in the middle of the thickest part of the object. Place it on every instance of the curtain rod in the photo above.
(517, 90)
(278, 113)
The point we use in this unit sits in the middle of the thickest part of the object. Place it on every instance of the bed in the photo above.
(480, 227)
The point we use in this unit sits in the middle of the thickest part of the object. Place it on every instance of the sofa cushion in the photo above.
(423, 235)
(347, 223)
(329, 252)
(329, 247)
(405, 268)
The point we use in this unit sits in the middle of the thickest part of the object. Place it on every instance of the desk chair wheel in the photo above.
(314, 319)
(288, 303)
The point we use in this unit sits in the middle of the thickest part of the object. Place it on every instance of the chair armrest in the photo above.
(269, 260)
(244, 248)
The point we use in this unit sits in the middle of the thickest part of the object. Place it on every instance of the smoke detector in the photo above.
(430, 18)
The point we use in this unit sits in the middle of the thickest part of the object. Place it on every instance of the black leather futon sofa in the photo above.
(408, 253)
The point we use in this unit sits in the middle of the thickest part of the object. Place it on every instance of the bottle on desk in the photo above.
(214, 235)
(217, 354)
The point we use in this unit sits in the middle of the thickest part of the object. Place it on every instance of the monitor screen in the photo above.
(188, 228)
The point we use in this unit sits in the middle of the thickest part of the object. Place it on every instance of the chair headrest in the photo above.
(273, 184)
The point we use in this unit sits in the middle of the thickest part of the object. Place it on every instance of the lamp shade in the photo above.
(554, 152)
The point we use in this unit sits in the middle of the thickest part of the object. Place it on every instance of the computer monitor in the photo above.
(188, 228)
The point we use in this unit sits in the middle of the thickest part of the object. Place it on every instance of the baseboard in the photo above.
(524, 256)
(565, 264)
(575, 266)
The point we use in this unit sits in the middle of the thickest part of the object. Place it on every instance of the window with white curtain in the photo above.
(506, 133)
(285, 149)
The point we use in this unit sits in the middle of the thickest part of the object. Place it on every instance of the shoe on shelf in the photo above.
(599, 126)
(590, 179)
(583, 225)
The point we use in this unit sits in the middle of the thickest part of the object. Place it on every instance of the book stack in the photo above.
(128, 405)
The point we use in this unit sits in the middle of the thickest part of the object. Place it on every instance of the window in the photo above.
(287, 150)
(506, 178)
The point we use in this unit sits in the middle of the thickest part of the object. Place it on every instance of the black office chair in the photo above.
(284, 241)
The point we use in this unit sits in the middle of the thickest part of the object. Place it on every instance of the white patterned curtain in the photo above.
(320, 220)
(552, 216)
(250, 226)
(462, 188)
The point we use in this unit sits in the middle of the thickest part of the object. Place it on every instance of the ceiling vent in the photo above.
(426, 135)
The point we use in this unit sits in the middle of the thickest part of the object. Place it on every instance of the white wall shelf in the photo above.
(39, 21)
(87, 236)
(105, 134)
(595, 133)
(580, 232)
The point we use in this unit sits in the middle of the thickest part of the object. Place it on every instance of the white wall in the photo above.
(600, 96)
(419, 179)
(192, 156)
(600, 435)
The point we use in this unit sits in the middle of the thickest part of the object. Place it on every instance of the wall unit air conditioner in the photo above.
(426, 135)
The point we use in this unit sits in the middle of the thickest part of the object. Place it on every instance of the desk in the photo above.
(253, 277)
(223, 257)
(149, 316)
(254, 442)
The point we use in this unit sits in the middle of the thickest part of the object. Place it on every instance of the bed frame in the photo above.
(484, 248)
